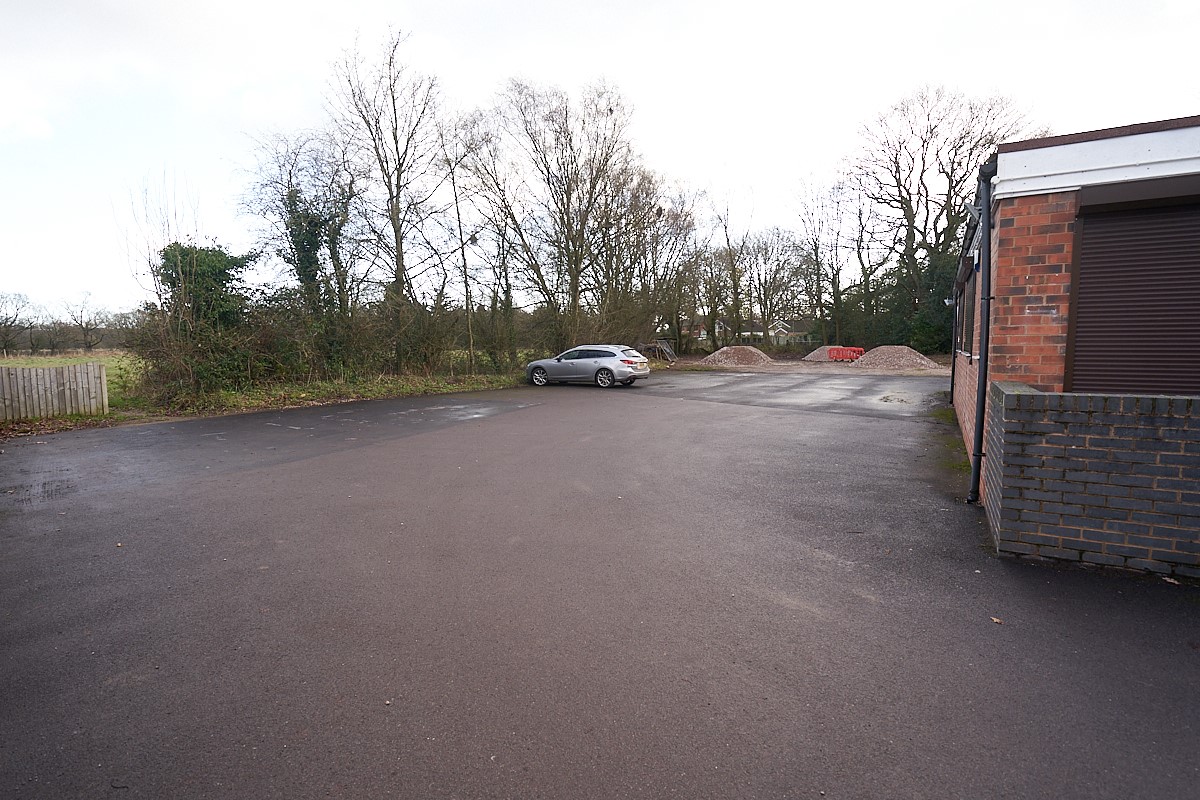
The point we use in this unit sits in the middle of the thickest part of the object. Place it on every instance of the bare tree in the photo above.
(822, 242)
(641, 236)
(713, 291)
(679, 303)
(456, 143)
(774, 277)
(546, 171)
(390, 112)
(500, 313)
(51, 334)
(916, 168)
(16, 318)
(88, 322)
(669, 274)
(872, 251)
(667, 243)
(733, 256)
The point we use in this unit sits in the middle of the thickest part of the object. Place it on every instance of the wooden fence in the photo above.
(31, 393)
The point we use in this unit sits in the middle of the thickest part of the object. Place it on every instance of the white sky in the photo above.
(102, 101)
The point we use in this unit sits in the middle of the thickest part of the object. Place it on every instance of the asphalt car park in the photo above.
(707, 585)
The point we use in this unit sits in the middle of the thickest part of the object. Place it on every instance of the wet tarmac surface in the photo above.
(709, 585)
(856, 395)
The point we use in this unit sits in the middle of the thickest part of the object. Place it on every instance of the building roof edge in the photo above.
(1104, 133)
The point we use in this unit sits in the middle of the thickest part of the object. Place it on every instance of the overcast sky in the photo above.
(102, 101)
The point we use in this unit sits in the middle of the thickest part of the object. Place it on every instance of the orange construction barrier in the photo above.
(845, 353)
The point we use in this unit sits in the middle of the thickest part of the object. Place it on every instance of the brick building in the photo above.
(1077, 365)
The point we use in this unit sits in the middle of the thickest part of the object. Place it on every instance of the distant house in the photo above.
(1077, 366)
(802, 331)
(698, 329)
(693, 329)
(776, 333)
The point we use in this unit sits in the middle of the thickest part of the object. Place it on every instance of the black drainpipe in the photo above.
(986, 173)
(953, 349)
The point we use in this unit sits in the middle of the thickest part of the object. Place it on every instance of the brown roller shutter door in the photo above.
(1135, 322)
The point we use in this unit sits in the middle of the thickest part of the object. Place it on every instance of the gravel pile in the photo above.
(891, 356)
(820, 354)
(737, 356)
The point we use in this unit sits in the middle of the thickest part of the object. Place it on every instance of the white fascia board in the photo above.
(1067, 167)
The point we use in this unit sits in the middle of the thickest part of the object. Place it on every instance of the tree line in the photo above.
(411, 238)
(81, 325)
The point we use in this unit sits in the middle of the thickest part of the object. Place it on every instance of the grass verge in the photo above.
(125, 405)
(315, 393)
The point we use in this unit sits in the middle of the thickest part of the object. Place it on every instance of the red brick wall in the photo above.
(966, 375)
(1031, 287)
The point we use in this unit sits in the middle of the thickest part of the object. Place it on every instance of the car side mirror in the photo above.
(559, 360)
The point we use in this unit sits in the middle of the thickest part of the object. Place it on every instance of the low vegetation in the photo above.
(129, 400)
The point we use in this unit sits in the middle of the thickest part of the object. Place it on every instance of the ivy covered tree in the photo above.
(201, 286)
(309, 191)
(194, 340)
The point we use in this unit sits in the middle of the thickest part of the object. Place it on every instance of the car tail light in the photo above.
(628, 361)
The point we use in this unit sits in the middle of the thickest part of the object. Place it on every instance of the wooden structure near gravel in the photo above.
(39, 392)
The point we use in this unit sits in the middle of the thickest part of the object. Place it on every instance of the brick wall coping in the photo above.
(1022, 396)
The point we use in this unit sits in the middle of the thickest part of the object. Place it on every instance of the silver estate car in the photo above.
(602, 364)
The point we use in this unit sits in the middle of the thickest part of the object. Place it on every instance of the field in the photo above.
(119, 366)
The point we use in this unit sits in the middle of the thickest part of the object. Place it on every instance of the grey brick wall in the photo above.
(1102, 479)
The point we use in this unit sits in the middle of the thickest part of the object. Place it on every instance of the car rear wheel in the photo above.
(605, 378)
(538, 377)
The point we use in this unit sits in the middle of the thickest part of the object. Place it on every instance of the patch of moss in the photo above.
(945, 415)
(954, 456)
